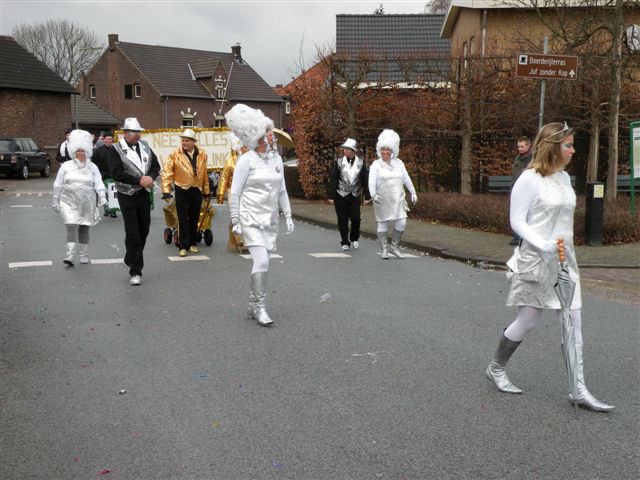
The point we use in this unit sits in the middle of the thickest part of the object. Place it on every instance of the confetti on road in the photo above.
(104, 471)
(325, 297)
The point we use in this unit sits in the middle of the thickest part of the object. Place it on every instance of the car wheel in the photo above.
(46, 171)
(168, 235)
(24, 172)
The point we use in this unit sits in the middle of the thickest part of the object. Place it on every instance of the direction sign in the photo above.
(552, 67)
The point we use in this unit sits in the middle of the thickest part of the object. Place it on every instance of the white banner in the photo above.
(112, 196)
(214, 141)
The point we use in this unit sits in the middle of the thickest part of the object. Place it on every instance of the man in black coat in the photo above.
(348, 180)
(62, 155)
(101, 157)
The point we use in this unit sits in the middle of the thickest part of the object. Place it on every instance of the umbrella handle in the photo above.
(561, 253)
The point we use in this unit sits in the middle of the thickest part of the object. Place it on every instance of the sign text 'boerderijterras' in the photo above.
(550, 67)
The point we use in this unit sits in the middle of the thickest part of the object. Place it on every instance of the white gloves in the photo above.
(290, 227)
(236, 229)
(102, 201)
(56, 207)
(550, 246)
(414, 198)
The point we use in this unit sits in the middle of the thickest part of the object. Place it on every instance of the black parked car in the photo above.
(20, 156)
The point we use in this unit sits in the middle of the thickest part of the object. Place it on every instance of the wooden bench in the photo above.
(624, 184)
(502, 183)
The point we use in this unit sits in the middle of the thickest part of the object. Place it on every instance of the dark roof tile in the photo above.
(90, 113)
(19, 69)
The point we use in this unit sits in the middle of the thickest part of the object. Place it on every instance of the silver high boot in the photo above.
(384, 249)
(394, 248)
(496, 370)
(259, 291)
(585, 399)
(83, 252)
(71, 254)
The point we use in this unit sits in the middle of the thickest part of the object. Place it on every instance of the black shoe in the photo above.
(106, 214)
(514, 241)
(113, 215)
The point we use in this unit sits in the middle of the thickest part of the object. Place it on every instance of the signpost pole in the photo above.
(542, 91)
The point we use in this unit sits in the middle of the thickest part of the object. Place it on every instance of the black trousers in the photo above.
(136, 213)
(188, 207)
(348, 209)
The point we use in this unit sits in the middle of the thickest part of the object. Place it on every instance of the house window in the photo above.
(287, 107)
(632, 39)
(128, 91)
(218, 121)
(219, 92)
(137, 92)
(465, 52)
(187, 122)
(92, 91)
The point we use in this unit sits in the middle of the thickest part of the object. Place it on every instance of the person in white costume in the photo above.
(388, 178)
(542, 208)
(257, 194)
(74, 195)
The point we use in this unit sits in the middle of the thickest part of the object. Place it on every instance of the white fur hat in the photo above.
(235, 142)
(389, 139)
(80, 140)
(248, 124)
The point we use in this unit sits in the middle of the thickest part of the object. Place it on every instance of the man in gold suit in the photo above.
(224, 185)
(186, 168)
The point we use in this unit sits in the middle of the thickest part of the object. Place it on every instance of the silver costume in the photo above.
(258, 197)
(75, 190)
(386, 184)
(533, 273)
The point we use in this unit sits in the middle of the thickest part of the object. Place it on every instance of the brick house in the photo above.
(35, 100)
(167, 87)
(89, 116)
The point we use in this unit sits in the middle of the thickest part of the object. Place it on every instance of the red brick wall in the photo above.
(43, 116)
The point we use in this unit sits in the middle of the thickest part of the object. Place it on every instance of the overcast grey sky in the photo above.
(271, 32)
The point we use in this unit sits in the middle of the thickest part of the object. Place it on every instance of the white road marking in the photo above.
(21, 206)
(406, 255)
(189, 258)
(44, 263)
(330, 255)
(247, 256)
(106, 261)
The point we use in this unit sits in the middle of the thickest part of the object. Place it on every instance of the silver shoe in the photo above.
(384, 249)
(259, 292)
(83, 252)
(496, 370)
(585, 399)
(394, 248)
(135, 280)
(71, 254)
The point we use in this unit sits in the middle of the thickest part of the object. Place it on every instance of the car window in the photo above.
(31, 145)
(6, 145)
(18, 145)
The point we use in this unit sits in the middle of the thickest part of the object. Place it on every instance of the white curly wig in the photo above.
(80, 140)
(389, 139)
(235, 142)
(248, 124)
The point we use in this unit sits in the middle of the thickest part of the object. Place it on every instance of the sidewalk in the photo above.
(459, 243)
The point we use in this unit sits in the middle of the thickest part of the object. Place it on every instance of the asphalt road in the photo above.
(383, 379)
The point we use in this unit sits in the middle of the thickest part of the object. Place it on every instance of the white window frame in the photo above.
(137, 90)
(92, 91)
(287, 107)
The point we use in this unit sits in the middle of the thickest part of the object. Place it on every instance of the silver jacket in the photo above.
(349, 179)
(133, 165)
(534, 273)
(75, 191)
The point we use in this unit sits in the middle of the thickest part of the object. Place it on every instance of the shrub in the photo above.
(490, 213)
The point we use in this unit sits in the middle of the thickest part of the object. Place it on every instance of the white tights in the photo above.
(260, 257)
(399, 225)
(528, 318)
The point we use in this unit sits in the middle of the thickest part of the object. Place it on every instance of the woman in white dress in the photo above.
(257, 194)
(74, 195)
(388, 178)
(542, 208)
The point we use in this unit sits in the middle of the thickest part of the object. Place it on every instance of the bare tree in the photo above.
(437, 6)
(379, 10)
(65, 47)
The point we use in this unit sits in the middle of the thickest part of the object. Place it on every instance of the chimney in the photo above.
(235, 49)
(113, 39)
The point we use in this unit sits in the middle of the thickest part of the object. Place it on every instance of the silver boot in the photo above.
(259, 290)
(585, 399)
(395, 244)
(83, 252)
(384, 249)
(496, 370)
(71, 254)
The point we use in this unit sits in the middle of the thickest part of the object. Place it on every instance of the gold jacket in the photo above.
(177, 169)
(224, 182)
